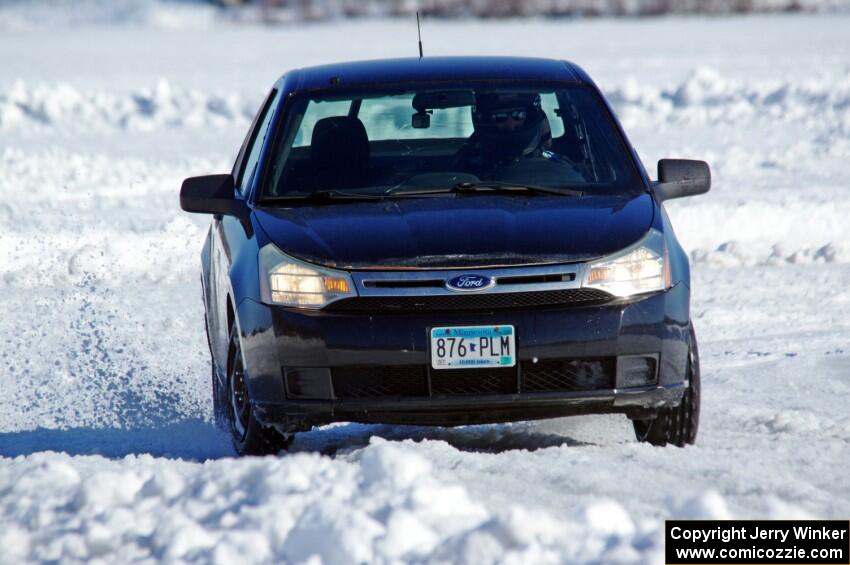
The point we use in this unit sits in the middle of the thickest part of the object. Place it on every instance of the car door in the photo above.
(227, 232)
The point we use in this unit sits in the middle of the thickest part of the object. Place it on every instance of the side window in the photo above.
(258, 136)
(549, 103)
(243, 149)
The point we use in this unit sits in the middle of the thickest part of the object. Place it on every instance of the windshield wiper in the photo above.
(509, 186)
(461, 188)
(492, 186)
(322, 196)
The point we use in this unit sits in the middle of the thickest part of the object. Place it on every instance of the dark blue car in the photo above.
(444, 241)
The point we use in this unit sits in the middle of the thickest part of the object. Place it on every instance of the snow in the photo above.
(201, 14)
(107, 450)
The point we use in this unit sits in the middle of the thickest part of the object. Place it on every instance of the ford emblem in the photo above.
(466, 283)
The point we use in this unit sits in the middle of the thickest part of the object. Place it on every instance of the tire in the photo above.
(248, 435)
(219, 410)
(219, 405)
(677, 425)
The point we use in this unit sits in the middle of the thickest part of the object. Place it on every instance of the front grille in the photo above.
(375, 382)
(566, 375)
(485, 301)
(547, 375)
(474, 381)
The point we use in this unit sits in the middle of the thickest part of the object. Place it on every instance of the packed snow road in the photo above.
(106, 445)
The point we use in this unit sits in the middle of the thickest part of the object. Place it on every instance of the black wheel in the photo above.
(249, 437)
(677, 425)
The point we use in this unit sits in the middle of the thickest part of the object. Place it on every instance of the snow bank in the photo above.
(705, 98)
(160, 106)
(386, 505)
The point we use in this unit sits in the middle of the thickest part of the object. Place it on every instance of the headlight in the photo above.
(642, 267)
(287, 281)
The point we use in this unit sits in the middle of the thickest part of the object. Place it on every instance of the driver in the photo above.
(508, 127)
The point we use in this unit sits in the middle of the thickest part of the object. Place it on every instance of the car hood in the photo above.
(457, 232)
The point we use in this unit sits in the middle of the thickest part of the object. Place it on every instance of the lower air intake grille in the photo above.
(565, 375)
(486, 301)
(375, 382)
(547, 375)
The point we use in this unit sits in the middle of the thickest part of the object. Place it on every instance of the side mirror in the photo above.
(210, 194)
(678, 178)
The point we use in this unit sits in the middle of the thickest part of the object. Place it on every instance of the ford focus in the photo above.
(444, 241)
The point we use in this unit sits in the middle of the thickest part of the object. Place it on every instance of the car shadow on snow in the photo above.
(200, 440)
(494, 438)
(194, 440)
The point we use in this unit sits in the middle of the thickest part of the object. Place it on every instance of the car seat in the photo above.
(339, 152)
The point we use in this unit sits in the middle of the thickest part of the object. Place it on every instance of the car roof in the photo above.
(432, 69)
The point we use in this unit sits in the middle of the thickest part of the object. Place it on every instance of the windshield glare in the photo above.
(392, 143)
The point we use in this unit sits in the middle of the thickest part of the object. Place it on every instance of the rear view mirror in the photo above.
(678, 178)
(210, 194)
(421, 120)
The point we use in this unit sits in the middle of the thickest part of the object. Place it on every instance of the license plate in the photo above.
(473, 347)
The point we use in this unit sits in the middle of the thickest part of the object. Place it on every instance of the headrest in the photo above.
(339, 142)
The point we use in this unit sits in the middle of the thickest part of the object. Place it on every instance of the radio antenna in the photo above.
(419, 33)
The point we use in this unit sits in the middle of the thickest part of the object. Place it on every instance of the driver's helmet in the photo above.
(510, 125)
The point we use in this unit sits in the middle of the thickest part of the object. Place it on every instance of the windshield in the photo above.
(420, 141)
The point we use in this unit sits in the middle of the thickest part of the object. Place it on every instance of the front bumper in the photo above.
(276, 340)
(466, 410)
